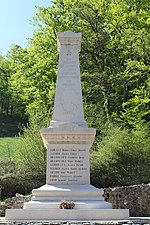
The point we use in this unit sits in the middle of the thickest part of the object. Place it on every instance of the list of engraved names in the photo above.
(67, 165)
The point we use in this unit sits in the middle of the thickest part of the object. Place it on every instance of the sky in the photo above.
(15, 27)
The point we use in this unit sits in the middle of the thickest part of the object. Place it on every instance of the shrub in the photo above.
(26, 169)
(123, 158)
(30, 155)
(13, 180)
(17, 183)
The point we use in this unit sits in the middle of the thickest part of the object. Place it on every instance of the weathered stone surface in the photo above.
(68, 139)
(68, 107)
(14, 203)
(136, 198)
(68, 163)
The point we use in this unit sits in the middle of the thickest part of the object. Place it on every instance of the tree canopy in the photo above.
(114, 60)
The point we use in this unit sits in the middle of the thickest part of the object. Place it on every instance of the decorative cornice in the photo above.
(58, 136)
(68, 38)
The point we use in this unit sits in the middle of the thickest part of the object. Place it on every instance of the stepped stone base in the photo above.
(66, 214)
(89, 205)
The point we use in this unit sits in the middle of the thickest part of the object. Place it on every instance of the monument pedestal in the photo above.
(89, 205)
(68, 142)
(84, 197)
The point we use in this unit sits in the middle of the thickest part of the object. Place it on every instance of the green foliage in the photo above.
(7, 166)
(123, 158)
(10, 180)
(32, 80)
(114, 59)
(30, 155)
(28, 168)
(5, 100)
(8, 147)
(16, 182)
(25, 168)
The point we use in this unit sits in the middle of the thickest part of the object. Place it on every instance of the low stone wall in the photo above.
(14, 203)
(136, 198)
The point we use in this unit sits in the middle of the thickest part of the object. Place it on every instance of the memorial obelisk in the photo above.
(67, 141)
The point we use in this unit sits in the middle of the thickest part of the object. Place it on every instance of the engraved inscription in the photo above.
(67, 165)
(69, 65)
(68, 69)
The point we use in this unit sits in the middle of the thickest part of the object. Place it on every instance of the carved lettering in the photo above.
(67, 165)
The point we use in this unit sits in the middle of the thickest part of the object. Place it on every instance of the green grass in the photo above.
(8, 146)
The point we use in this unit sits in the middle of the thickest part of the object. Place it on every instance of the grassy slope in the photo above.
(8, 146)
(9, 128)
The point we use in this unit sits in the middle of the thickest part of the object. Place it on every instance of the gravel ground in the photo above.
(136, 221)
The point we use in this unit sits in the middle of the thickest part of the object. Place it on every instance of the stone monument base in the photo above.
(88, 200)
(66, 214)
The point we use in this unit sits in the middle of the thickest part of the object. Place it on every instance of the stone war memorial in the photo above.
(67, 141)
